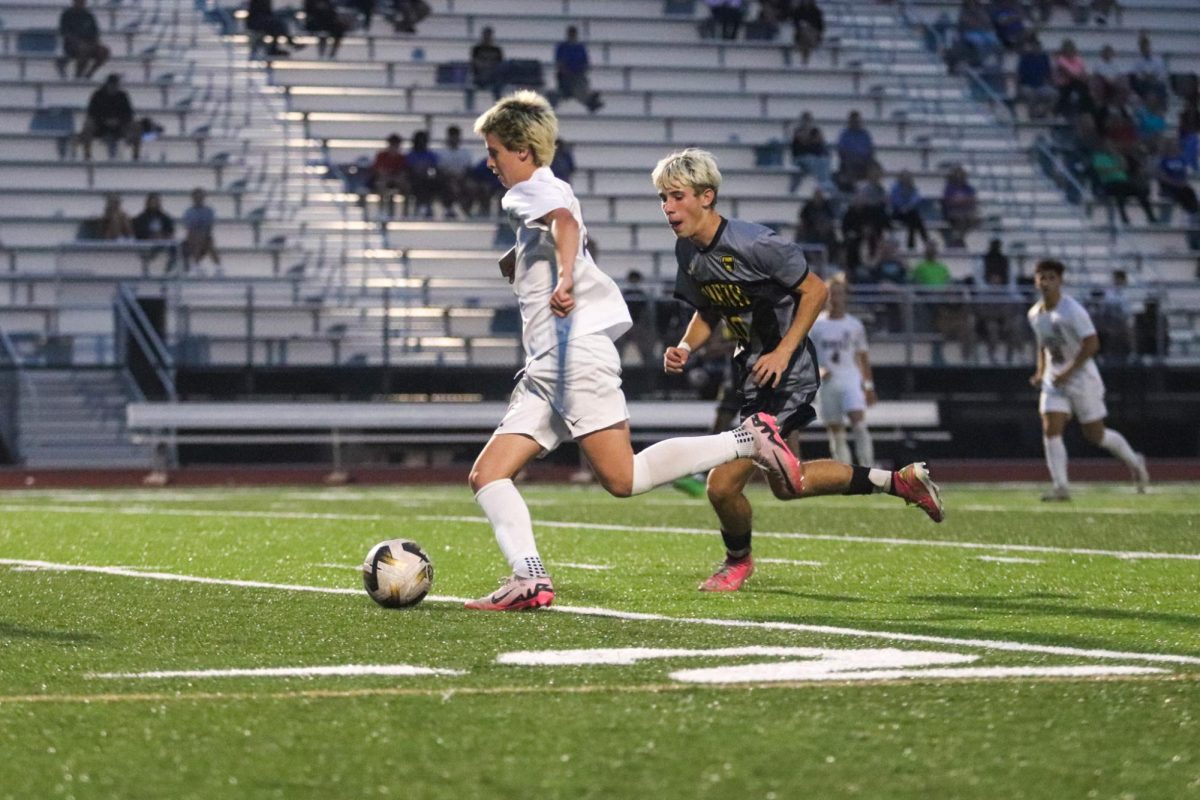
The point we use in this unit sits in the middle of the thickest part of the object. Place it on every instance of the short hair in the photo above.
(1050, 265)
(522, 121)
(692, 167)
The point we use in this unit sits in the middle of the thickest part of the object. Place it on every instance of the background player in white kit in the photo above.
(1070, 381)
(847, 385)
(571, 313)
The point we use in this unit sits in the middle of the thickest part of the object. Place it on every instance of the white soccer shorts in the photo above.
(1083, 397)
(570, 391)
(836, 399)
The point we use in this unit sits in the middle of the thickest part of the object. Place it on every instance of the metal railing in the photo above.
(134, 327)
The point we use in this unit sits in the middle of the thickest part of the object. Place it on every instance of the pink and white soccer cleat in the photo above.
(772, 453)
(730, 576)
(914, 485)
(516, 594)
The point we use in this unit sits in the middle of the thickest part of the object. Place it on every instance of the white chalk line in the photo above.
(834, 537)
(1009, 560)
(789, 561)
(828, 630)
(336, 670)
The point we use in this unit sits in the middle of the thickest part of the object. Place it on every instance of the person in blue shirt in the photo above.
(856, 152)
(423, 175)
(1034, 85)
(1173, 179)
(904, 205)
(571, 69)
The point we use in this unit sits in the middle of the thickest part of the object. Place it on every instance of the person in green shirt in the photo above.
(930, 270)
(1110, 170)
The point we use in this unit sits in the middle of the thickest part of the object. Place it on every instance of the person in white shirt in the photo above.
(1070, 381)
(847, 386)
(570, 389)
(454, 162)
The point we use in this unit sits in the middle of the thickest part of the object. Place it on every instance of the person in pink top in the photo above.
(1071, 78)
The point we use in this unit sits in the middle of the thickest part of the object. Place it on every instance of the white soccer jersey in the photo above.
(1060, 332)
(838, 343)
(599, 307)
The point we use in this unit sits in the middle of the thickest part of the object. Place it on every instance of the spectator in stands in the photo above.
(1034, 78)
(810, 154)
(809, 27)
(1148, 75)
(1110, 73)
(1071, 79)
(975, 28)
(199, 222)
(865, 220)
(959, 207)
(1113, 317)
(406, 14)
(563, 163)
(996, 266)
(1189, 135)
(930, 270)
(998, 320)
(571, 68)
(727, 16)
(263, 23)
(366, 9)
(81, 41)
(487, 61)
(110, 117)
(904, 206)
(114, 223)
(1173, 181)
(155, 225)
(484, 187)
(643, 335)
(389, 175)
(818, 224)
(1149, 122)
(454, 162)
(888, 265)
(422, 176)
(1008, 18)
(321, 19)
(856, 153)
(1112, 172)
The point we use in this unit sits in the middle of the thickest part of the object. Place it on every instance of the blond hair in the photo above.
(522, 121)
(693, 168)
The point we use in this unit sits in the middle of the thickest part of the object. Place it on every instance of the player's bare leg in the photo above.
(726, 491)
(1053, 425)
(1106, 438)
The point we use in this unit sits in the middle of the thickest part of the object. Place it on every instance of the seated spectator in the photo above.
(865, 221)
(930, 270)
(976, 30)
(81, 41)
(389, 175)
(407, 13)
(563, 163)
(199, 222)
(856, 153)
(422, 176)
(1113, 318)
(810, 154)
(998, 319)
(888, 266)
(114, 223)
(727, 16)
(487, 60)
(454, 162)
(818, 221)
(1071, 79)
(265, 24)
(1008, 18)
(809, 28)
(1107, 70)
(1172, 177)
(155, 225)
(110, 117)
(1034, 79)
(571, 69)
(484, 188)
(1112, 174)
(996, 268)
(321, 19)
(365, 9)
(904, 206)
(1189, 136)
(1149, 123)
(959, 207)
(1148, 74)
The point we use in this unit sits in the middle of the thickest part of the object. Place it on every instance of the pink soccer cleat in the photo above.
(516, 594)
(914, 485)
(772, 453)
(730, 576)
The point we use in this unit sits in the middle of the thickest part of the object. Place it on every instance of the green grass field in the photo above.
(1018, 650)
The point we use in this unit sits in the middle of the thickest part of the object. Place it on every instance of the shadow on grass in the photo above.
(10, 630)
(1034, 604)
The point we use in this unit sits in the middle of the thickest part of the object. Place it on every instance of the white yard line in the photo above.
(576, 565)
(833, 537)
(789, 561)
(828, 630)
(1008, 560)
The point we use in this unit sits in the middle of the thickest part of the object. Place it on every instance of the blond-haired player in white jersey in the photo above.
(1070, 381)
(570, 389)
(847, 385)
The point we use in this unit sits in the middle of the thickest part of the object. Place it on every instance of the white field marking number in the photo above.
(817, 664)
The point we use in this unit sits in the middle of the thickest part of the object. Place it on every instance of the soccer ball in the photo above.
(397, 573)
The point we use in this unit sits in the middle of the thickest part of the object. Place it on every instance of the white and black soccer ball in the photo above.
(397, 573)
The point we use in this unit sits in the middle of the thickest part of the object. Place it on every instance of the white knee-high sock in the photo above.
(1056, 460)
(1118, 445)
(864, 445)
(506, 510)
(673, 458)
(839, 448)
